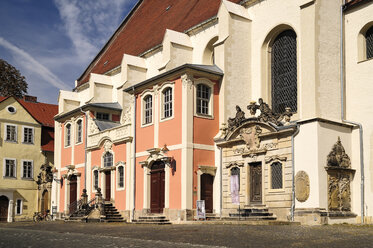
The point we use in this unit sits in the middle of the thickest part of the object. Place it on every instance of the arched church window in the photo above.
(284, 72)
(369, 43)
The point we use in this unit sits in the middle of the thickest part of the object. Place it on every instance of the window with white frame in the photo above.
(167, 102)
(27, 169)
(95, 179)
(148, 109)
(68, 135)
(79, 131)
(369, 43)
(19, 206)
(28, 135)
(276, 175)
(10, 168)
(102, 116)
(11, 133)
(203, 99)
(121, 177)
(108, 159)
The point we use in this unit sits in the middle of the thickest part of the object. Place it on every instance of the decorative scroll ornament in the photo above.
(237, 120)
(267, 115)
(338, 157)
(187, 80)
(93, 129)
(45, 175)
(251, 137)
(108, 145)
(127, 115)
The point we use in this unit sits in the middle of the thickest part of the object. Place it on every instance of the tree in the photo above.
(12, 83)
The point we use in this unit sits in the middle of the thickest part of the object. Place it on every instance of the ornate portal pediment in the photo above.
(156, 154)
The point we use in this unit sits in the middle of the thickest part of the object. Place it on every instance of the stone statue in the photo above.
(238, 120)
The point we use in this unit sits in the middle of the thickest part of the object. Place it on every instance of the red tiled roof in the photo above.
(146, 27)
(47, 139)
(41, 112)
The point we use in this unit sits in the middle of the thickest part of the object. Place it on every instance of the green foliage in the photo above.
(12, 83)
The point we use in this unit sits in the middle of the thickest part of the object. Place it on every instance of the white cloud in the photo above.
(90, 23)
(33, 65)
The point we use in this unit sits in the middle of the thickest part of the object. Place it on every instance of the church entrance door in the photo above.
(207, 191)
(256, 183)
(157, 194)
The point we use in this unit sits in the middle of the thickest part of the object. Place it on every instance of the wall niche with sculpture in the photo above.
(340, 176)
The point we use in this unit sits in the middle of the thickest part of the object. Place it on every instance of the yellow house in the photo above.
(26, 157)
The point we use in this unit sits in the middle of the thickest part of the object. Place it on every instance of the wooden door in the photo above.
(157, 187)
(4, 205)
(207, 191)
(107, 185)
(73, 192)
(256, 183)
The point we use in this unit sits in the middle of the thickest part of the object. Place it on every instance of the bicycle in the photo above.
(38, 216)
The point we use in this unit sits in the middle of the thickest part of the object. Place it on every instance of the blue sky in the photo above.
(51, 42)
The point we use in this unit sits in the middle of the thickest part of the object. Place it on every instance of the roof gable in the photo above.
(145, 28)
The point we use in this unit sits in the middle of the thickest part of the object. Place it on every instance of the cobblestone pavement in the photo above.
(60, 234)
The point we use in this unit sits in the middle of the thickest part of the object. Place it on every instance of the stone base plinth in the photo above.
(311, 216)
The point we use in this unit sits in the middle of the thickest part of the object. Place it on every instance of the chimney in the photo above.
(28, 98)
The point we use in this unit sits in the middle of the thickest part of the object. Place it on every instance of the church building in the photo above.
(260, 109)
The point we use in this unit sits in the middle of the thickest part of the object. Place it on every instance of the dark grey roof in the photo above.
(103, 125)
(213, 69)
(107, 105)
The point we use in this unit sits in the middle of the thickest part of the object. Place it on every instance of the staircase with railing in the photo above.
(80, 210)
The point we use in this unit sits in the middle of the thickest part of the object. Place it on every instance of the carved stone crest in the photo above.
(340, 176)
(302, 186)
(108, 145)
(338, 157)
(251, 137)
(45, 175)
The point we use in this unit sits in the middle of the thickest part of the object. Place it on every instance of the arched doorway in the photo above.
(73, 191)
(157, 187)
(207, 191)
(4, 205)
(44, 201)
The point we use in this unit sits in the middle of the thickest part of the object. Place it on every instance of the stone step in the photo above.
(250, 214)
(152, 217)
(250, 218)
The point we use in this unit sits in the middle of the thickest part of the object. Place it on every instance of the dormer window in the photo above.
(102, 116)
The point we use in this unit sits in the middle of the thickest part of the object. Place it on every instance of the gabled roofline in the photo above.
(106, 45)
(213, 69)
(26, 110)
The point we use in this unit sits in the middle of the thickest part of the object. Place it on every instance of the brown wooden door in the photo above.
(157, 177)
(207, 191)
(73, 192)
(107, 185)
(4, 204)
(256, 183)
